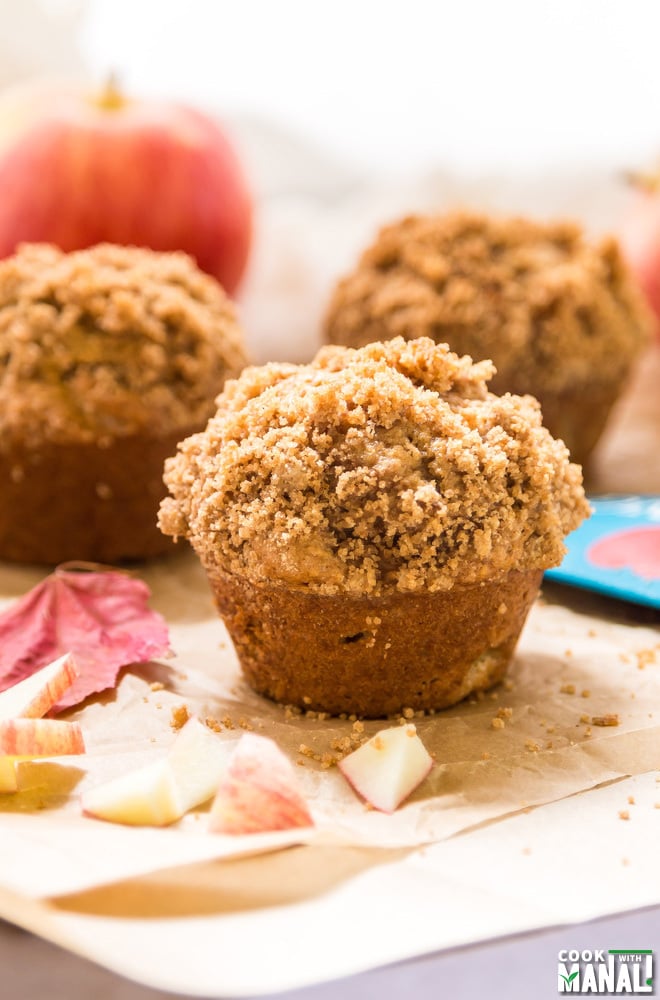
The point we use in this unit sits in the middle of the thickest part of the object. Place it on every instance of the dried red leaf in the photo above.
(102, 618)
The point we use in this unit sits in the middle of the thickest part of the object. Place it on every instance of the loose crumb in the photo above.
(504, 713)
(586, 693)
(157, 686)
(179, 716)
(612, 719)
(567, 689)
(585, 719)
(624, 814)
(631, 800)
(532, 746)
(212, 724)
(497, 723)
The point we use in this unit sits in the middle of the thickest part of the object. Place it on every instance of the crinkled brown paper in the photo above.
(536, 803)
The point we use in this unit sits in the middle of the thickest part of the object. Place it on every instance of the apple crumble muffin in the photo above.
(108, 358)
(374, 525)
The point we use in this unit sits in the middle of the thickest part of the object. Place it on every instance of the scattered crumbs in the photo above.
(527, 851)
(183, 676)
(485, 755)
(624, 814)
(408, 713)
(551, 729)
(657, 778)
(585, 719)
(624, 658)
(212, 724)
(494, 695)
(300, 762)
(504, 713)
(656, 805)
(611, 719)
(568, 652)
(645, 657)
(631, 800)
(411, 732)
(152, 739)
(343, 716)
(352, 718)
(244, 724)
(497, 723)
(507, 685)
(502, 610)
(401, 720)
(291, 712)
(358, 727)
(587, 731)
(326, 759)
(159, 704)
(549, 745)
(592, 633)
(307, 700)
(378, 743)
(157, 686)
(567, 689)
(586, 693)
(532, 746)
(179, 716)
(625, 862)
(227, 722)
(145, 700)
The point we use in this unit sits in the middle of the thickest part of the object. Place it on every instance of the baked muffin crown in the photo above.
(388, 468)
(110, 341)
(552, 309)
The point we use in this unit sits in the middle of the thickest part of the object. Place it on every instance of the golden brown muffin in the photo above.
(559, 316)
(374, 525)
(108, 358)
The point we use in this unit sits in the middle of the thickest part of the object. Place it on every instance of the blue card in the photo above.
(616, 551)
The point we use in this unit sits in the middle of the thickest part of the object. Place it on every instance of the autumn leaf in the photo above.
(102, 617)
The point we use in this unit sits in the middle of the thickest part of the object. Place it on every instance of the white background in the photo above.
(399, 84)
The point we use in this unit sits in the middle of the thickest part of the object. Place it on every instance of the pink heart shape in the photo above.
(637, 549)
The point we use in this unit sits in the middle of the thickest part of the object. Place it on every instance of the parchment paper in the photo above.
(517, 833)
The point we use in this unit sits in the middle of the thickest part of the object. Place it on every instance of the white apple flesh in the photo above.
(162, 792)
(33, 697)
(388, 768)
(258, 792)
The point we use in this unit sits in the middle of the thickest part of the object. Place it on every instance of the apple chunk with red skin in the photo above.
(25, 739)
(32, 697)
(164, 791)
(78, 169)
(258, 792)
(388, 768)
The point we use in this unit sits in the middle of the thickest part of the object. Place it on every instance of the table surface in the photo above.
(515, 968)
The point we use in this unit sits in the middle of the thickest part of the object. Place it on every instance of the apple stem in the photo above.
(111, 97)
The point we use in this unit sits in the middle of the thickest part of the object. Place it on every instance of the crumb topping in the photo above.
(110, 341)
(385, 468)
(550, 309)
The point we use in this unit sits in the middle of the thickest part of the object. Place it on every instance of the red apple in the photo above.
(78, 169)
(640, 239)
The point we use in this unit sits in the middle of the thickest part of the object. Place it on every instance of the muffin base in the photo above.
(82, 501)
(374, 656)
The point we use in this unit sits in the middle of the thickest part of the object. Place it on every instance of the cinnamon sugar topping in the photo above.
(110, 341)
(551, 309)
(385, 468)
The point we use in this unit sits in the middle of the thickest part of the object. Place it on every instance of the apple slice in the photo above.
(258, 791)
(33, 697)
(39, 738)
(162, 792)
(25, 739)
(387, 768)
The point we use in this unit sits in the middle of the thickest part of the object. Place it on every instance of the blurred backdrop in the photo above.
(382, 83)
